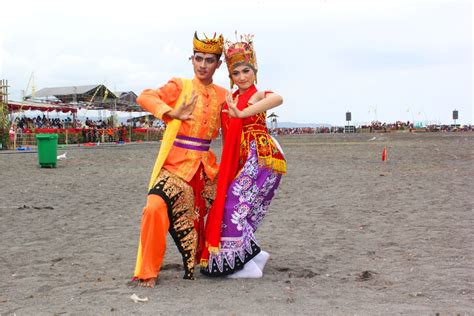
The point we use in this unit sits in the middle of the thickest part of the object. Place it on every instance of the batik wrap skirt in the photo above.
(248, 198)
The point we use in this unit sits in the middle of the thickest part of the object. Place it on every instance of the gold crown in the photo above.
(209, 45)
(238, 52)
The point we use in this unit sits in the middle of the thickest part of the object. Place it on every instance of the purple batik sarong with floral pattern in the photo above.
(248, 198)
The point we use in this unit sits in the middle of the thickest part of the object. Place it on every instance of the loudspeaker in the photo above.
(455, 115)
(348, 116)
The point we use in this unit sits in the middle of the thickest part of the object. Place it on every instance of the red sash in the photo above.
(227, 171)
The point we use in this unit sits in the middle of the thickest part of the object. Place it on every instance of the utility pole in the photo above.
(4, 121)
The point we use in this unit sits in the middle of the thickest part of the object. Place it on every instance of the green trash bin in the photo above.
(47, 150)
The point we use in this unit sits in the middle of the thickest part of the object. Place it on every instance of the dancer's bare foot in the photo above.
(147, 283)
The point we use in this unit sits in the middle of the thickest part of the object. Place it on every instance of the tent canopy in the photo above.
(89, 93)
(96, 96)
(44, 107)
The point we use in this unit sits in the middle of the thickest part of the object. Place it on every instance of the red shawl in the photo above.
(227, 171)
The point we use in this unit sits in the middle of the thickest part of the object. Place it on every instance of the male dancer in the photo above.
(182, 186)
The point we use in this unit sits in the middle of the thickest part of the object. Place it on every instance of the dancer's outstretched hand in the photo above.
(233, 111)
(185, 111)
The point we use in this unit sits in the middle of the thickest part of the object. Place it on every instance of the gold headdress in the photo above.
(208, 45)
(238, 52)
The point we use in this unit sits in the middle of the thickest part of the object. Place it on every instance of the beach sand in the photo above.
(347, 233)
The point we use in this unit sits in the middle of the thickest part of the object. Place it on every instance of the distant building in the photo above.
(127, 101)
(273, 120)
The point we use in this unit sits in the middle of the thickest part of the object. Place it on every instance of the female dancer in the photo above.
(250, 171)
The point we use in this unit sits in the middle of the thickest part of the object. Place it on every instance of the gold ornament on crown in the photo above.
(240, 52)
(208, 45)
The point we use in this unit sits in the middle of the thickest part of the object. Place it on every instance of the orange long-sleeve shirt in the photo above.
(206, 123)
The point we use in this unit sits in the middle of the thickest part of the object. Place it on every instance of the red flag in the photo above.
(384, 154)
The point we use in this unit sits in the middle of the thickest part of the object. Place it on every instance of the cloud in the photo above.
(324, 57)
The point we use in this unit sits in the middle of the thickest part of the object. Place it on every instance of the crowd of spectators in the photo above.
(92, 129)
(449, 128)
(375, 126)
(399, 125)
(28, 124)
(378, 126)
(102, 133)
(84, 131)
(25, 124)
(306, 130)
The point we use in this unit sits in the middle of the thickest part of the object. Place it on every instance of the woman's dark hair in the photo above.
(243, 63)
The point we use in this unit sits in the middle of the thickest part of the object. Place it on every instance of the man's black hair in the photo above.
(218, 56)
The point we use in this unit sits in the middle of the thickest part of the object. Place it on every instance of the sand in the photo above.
(347, 233)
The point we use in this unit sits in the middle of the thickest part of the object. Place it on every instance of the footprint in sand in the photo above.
(172, 266)
(299, 273)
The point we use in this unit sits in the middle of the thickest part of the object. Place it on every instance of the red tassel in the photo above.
(384, 154)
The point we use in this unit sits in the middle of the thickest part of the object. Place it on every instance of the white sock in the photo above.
(250, 271)
(261, 259)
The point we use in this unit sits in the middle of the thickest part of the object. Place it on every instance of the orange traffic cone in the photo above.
(384, 153)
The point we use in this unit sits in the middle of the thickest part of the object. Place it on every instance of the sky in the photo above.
(383, 60)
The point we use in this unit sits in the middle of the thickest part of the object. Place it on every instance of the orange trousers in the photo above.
(178, 207)
(154, 228)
